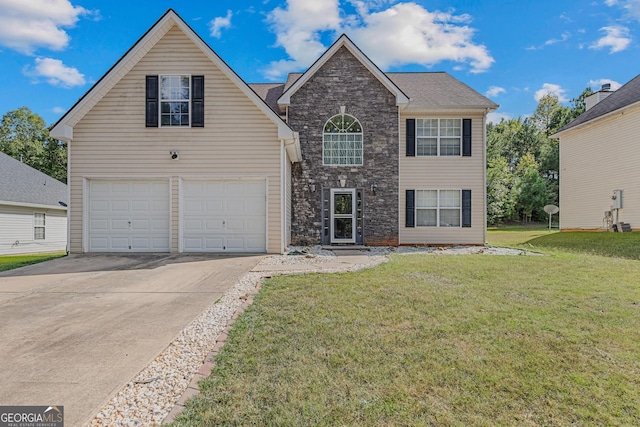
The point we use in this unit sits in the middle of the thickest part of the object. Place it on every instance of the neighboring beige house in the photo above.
(599, 160)
(33, 212)
(172, 152)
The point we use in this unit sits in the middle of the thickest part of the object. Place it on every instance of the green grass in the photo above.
(9, 262)
(471, 340)
(623, 245)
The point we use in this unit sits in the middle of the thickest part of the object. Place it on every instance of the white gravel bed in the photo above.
(150, 396)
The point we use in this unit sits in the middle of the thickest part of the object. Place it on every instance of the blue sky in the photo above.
(52, 51)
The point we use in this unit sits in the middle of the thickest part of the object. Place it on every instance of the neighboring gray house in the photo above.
(33, 212)
(600, 155)
(197, 160)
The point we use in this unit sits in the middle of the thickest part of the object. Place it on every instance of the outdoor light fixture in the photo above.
(175, 155)
(312, 188)
(374, 187)
(343, 182)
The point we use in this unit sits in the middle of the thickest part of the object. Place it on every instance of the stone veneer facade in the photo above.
(344, 81)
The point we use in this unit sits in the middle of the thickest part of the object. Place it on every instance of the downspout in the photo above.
(484, 172)
(68, 197)
(283, 203)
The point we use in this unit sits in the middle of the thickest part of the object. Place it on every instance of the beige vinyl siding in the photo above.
(238, 139)
(444, 173)
(17, 230)
(595, 160)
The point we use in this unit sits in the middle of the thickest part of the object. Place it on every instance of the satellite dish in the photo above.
(551, 209)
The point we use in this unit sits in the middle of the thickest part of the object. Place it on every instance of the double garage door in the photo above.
(214, 216)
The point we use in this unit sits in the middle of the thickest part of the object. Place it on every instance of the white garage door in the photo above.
(128, 216)
(224, 216)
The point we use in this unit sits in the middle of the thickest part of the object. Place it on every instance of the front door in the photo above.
(343, 215)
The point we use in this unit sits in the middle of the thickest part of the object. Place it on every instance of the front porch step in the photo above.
(337, 248)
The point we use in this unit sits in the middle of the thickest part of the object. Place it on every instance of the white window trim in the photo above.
(37, 226)
(342, 133)
(416, 208)
(438, 137)
(160, 100)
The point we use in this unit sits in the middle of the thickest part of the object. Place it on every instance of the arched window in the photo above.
(342, 141)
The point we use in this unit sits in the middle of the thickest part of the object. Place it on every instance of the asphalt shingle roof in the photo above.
(425, 89)
(626, 95)
(438, 90)
(20, 183)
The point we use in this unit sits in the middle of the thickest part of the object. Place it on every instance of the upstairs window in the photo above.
(38, 225)
(342, 141)
(175, 97)
(174, 101)
(438, 137)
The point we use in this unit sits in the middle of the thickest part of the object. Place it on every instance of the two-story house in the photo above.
(172, 151)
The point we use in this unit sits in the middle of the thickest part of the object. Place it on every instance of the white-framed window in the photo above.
(438, 208)
(438, 137)
(175, 100)
(342, 141)
(39, 221)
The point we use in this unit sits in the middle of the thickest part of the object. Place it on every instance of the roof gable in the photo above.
(625, 96)
(24, 185)
(63, 129)
(343, 41)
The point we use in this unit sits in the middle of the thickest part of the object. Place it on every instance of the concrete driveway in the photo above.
(75, 330)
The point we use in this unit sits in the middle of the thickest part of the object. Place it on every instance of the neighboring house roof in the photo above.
(344, 41)
(22, 185)
(428, 90)
(626, 96)
(63, 129)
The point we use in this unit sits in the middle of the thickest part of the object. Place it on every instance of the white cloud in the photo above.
(495, 91)
(552, 89)
(56, 73)
(631, 7)
(563, 37)
(217, 24)
(403, 33)
(27, 25)
(595, 85)
(58, 110)
(408, 33)
(298, 29)
(616, 38)
(496, 117)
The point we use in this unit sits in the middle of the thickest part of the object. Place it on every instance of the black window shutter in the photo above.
(466, 208)
(197, 101)
(466, 137)
(411, 208)
(151, 108)
(411, 137)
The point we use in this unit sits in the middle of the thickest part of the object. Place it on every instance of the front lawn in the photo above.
(9, 262)
(435, 340)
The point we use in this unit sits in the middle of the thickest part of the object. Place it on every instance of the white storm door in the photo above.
(343, 215)
(128, 216)
(224, 216)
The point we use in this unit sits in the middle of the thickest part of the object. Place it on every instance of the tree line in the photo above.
(523, 162)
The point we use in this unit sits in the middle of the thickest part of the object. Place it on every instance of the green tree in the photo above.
(24, 136)
(530, 190)
(500, 203)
